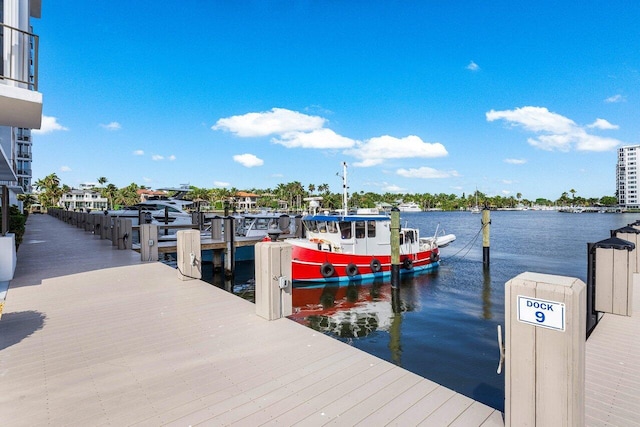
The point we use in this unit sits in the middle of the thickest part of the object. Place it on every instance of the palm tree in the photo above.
(110, 193)
(102, 181)
(50, 191)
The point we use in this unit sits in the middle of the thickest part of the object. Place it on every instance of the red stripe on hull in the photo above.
(307, 264)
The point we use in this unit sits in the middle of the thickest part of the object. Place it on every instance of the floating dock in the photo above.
(92, 336)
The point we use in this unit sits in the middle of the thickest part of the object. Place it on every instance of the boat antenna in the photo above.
(344, 187)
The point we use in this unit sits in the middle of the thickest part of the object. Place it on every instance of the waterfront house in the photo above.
(245, 202)
(83, 200)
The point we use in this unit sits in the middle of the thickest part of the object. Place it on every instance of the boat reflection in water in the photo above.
(356, 309)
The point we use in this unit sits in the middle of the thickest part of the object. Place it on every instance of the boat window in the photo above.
(360, 229)
(262, 224)
(332, 227)
(371, 229)
(401, 238)
(312, 226)
(409, 234)
(322, 226)
(345, 229)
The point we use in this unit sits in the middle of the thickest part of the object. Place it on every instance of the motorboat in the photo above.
(259, 225)
(157, 210)
(409, 207)
(344, 246)
(441, 238)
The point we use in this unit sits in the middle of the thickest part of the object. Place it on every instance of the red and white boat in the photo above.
(354, 246)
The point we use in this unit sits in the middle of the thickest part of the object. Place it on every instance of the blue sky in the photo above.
(416, 96)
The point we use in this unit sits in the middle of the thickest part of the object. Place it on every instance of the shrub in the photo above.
(16, 223)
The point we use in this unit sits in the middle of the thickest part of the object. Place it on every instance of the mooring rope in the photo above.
(469, 245)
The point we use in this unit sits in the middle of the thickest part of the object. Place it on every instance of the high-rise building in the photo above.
(20, 111)
(627, 176)
(20, 101)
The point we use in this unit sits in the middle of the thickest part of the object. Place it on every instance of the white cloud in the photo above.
(615, 98)
(426, 173)
(65, 169)
(554, 132)
(171, 157)
(221, 184)
(248, 160)
(515, 161)
(292, 129)
(376, 150)
(473, 66)
(276, 121)
(138, 153)
(535, 119)
(603, 124)
(506, 192)
(145, 179)
(319, 138)
(391, 188)
(112, 126)
(157, 157)
(49, 124)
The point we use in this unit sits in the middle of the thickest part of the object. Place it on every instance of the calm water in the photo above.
(442, 325)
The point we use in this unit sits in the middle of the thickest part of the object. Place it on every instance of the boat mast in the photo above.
(344, 188)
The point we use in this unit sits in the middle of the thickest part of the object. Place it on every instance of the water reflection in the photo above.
(356, 310)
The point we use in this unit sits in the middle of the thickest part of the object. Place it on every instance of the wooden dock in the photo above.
(612, 371)
(91, 336)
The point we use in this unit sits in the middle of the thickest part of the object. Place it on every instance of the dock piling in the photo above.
(486, 228)
(149, 242)
(545, 319)
(273, 280)
(395, 247)
(189, 255)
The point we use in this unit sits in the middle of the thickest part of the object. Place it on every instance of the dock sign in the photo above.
(537, 312)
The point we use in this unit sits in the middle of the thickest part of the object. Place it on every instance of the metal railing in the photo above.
(20, 64)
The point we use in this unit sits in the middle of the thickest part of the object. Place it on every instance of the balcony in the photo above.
(20, 101)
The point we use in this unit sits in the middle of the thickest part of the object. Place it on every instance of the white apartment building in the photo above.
(627, 176)
(20, 101)
(20, 111)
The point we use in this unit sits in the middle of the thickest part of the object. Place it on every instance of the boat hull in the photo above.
(310, 265)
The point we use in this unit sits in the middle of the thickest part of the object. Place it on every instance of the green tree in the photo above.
(49, 190)
(27, 200)
(128, 195)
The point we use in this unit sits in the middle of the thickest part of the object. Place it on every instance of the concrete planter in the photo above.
(8, 257)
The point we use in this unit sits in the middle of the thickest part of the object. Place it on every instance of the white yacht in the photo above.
(157, 210)
(409, 207)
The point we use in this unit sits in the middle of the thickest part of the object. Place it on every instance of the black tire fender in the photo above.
(327, 270)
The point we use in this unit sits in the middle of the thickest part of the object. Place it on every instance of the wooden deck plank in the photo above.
(92, 336)
(612, 371)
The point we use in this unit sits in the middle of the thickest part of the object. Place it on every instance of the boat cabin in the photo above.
(357, 234)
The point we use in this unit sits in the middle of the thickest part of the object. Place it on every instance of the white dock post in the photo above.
(614, 265)
(189, 255)
(216, 228)
(545, 337)
(229, 238)
(273, 280)
(125, 230)
(113, 234)
(105, 228)
(630, 234)
(149, 242)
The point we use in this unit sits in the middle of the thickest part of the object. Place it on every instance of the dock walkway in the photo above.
(91, 336)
